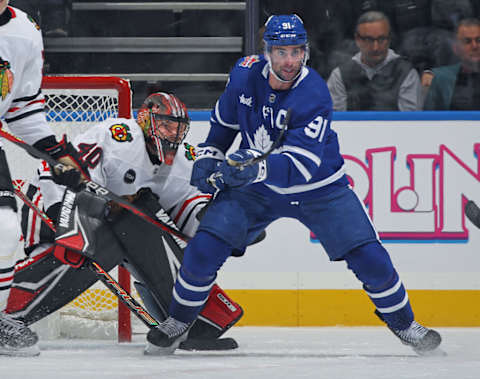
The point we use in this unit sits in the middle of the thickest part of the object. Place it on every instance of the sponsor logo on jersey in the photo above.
(249, 61)
(121, 133)
(189, 152)
(245, 100)
(6, 78)
(130, 176)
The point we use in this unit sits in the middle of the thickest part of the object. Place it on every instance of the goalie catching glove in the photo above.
(237, 170)
(75, 169)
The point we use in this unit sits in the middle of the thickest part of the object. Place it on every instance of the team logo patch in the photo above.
(249, 61)
(30, 18)
(129, 176)
(189, 152)
(121, 133)
(6, 78)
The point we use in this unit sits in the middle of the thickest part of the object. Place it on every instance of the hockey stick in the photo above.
(473, 213)
(104, 276)
(265, 155)
(94, 187)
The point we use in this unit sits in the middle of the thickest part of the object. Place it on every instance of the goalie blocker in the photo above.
(45, 283)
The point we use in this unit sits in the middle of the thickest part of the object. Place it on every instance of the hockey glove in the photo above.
(75, 170)
(234, 174)
(205, 174)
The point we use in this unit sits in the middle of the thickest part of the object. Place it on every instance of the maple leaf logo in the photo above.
(262, 140)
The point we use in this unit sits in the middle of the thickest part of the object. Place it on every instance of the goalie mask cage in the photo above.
(73, 103)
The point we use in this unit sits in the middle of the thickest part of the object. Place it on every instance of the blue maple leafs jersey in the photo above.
(308, 159)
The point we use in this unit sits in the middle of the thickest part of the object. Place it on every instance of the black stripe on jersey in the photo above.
(28, 98)
(7, 270)
(23, 115)
(4, 288)
(190, 213)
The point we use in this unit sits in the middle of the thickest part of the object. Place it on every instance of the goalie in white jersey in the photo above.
(22, 108)
(126, 155)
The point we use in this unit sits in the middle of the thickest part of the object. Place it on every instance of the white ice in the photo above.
(264, 352)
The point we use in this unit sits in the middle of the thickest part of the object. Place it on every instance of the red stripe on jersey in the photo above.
(187, 202)
(14, 109)
(7, 279)
(12, 12)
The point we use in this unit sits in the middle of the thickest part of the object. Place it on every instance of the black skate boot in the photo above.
(16, 339)
(166, 337)
(422, 340)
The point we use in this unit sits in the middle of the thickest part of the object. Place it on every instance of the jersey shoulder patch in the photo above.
(6, 78)
(30, 18)
(189, 151)
(121, 132)
(249, 61)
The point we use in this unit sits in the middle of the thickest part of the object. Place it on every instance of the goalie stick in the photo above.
(472, 211)
(94, 187)
(265, 155)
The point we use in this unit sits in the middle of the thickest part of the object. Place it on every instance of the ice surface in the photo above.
(265, 352)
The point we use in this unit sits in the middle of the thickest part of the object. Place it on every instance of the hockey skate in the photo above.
(16, 339)
(421, 339)
(166, 337)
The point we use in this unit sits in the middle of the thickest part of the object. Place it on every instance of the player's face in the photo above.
(468, 46)
(373, 40)
(287, 60)
(3, 5)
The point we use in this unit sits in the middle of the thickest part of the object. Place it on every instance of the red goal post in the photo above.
(75, 101)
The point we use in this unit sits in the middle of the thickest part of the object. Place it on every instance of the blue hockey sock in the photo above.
(373, 267)
(393, 304)
(204, 255)
(189, 296)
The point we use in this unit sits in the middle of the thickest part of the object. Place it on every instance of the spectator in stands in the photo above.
(457, 86)
(376, 78)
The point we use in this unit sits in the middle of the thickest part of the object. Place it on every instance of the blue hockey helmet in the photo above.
(282, 30)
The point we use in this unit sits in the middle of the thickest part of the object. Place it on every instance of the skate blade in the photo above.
(31, 351)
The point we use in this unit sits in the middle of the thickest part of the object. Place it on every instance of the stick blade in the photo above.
(472, 211)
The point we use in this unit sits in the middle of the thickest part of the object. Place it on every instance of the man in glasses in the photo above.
(376, 78)
(457, 86)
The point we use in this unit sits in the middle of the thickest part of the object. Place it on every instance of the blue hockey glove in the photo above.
(236, 175)
(205, 175)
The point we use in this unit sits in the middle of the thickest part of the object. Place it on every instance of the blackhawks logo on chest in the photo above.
(6, 78)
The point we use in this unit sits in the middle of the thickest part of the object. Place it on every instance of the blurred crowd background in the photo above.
(422, 31)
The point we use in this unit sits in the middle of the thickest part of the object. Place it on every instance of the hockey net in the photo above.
(74, 103)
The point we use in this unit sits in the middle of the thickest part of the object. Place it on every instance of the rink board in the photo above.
(414, 175)
(414, 172)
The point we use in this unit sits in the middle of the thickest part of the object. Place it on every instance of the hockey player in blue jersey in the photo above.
(303, 178)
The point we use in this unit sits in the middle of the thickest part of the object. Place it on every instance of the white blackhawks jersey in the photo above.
(21, 64)
(116, 155)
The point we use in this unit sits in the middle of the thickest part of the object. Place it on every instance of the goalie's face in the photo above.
(165, 123)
